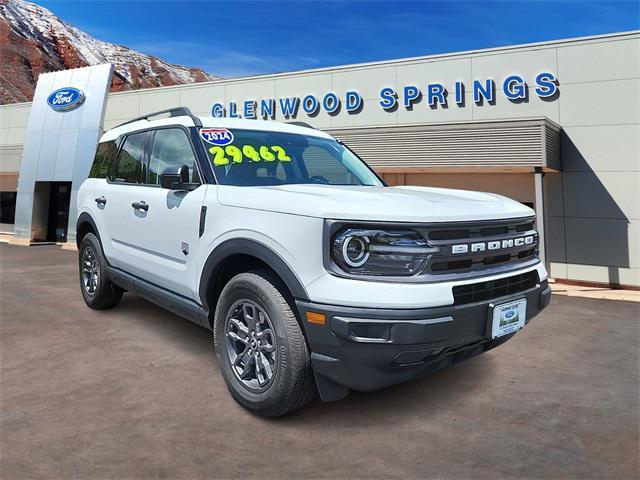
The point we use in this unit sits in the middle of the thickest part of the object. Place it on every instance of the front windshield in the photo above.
(255, 157)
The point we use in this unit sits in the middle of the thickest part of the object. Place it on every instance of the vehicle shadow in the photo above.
(400, 404)
(423, 397)
(175, 329)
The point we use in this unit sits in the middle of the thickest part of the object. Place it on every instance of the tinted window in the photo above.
(321, 163)
(171, 148)
(257, 157)
(104, 154)
(129, 163)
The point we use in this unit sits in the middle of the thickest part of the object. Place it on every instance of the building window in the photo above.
(7, 207)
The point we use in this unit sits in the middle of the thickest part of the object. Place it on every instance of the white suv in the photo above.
(312, 274)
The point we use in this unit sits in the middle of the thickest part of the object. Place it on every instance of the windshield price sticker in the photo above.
(234, 154)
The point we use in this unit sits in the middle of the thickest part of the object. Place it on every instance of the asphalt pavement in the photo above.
(135, 392)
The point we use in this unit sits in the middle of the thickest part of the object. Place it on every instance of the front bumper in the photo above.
(370, 348)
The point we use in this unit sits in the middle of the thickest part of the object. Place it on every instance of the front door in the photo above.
(166, 231)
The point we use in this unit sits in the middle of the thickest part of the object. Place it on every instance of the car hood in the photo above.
(395, 204)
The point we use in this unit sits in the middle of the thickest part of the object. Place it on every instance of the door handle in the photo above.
(101, 200)
(141, 205)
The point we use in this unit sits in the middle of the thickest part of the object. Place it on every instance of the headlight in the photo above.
(380, 252)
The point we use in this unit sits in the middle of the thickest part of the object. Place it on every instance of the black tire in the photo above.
(101, 294)
(292, 384)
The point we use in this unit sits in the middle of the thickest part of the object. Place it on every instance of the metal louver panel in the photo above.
(552, 146)
(514, 143)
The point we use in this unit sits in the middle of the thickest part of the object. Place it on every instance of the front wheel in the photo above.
(97, 290)
(260, 346)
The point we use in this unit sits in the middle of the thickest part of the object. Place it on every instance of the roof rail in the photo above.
(173, 112)
(301, 124)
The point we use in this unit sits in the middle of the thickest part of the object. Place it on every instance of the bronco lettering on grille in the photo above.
(476, 247)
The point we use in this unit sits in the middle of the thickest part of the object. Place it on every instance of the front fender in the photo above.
(254, 248)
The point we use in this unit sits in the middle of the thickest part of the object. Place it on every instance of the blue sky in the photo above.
(237, 38)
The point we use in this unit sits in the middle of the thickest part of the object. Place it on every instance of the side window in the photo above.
(129, 163)
(104, 154)
(171, 148)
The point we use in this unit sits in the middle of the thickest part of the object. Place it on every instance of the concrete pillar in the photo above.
(539, 206)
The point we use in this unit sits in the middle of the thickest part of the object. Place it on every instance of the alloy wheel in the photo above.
(251, 345)
(90, 271)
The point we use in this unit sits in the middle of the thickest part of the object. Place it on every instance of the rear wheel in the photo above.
(97, 290)
(260, 346)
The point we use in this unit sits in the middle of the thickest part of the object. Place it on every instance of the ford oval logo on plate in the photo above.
(65, 99)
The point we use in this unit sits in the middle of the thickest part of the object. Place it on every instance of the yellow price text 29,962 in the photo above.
(234, 154)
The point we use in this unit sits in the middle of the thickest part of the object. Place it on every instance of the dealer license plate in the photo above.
(509, 317)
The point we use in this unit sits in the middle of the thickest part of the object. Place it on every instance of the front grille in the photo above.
(489, 290)
(485, 235)
(479, 230)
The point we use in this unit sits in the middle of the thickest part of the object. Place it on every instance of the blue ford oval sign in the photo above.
(65, 99)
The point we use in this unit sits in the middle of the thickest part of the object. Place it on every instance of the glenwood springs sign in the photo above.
(432, 95)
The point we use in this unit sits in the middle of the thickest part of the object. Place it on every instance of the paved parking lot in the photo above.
(136, 392)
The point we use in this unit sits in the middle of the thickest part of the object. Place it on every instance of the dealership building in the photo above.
(554, 125)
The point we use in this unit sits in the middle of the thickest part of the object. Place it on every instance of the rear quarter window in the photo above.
(105, 152)
(129, 162)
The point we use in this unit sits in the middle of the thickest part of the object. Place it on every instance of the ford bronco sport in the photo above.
(312, 274)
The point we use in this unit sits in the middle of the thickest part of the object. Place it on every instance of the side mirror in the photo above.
(177, 178)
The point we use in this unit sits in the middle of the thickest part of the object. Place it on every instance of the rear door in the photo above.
(166, 234)
(124, 187)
